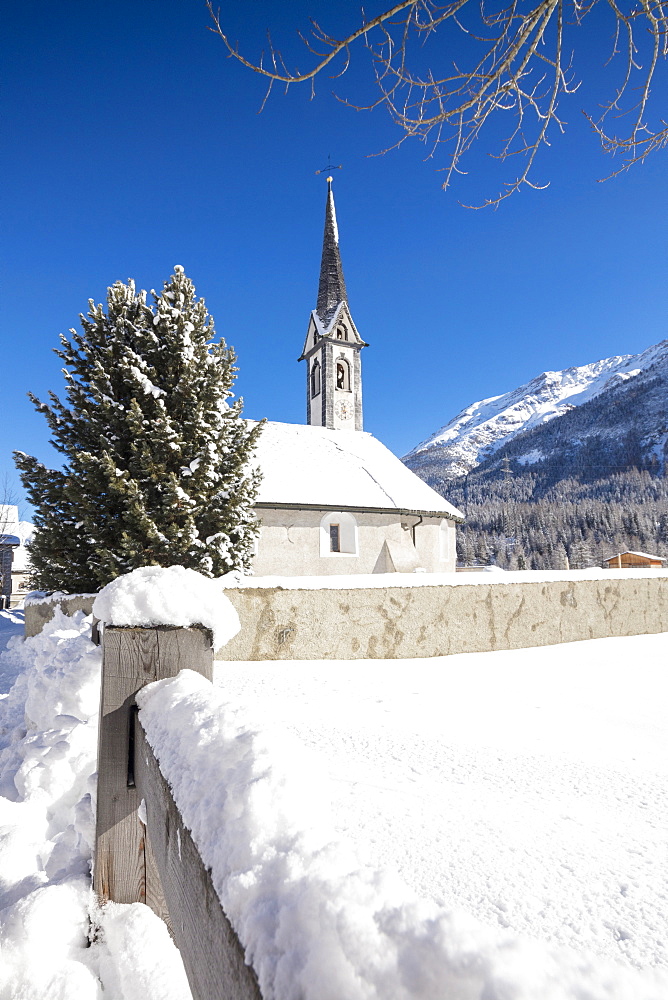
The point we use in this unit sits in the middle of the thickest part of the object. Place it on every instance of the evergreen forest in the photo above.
(516, 523)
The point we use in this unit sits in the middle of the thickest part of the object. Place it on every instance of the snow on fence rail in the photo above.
(153, 859)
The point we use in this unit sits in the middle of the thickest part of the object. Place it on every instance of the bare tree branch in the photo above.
(512, 64)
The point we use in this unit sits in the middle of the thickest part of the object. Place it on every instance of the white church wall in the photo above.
(436, 545)
(447, 542)
(295, 542)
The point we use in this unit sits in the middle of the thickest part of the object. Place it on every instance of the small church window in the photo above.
(342, 375)
(342, 332)
(334, 538)
(315, 378)
(338, 534)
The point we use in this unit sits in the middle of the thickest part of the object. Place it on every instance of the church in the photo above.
(333, 499)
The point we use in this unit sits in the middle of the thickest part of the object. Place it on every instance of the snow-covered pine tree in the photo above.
(155, 457)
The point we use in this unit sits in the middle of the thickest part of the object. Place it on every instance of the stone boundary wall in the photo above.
(38, 613)
(395, 621)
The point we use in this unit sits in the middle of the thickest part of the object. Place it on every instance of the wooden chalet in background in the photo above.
(634, 560)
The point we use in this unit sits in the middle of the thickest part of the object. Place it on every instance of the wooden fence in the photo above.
(158, 864)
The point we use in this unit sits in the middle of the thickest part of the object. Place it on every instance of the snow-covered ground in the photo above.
(516, 802)
(527, 787)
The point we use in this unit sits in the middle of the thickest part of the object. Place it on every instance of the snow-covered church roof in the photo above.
(305, 466)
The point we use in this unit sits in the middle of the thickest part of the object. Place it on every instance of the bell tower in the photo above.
(332, 347)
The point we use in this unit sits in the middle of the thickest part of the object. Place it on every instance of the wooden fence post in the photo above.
(124, 868)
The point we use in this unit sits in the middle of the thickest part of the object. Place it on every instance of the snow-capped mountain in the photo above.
(476, 434)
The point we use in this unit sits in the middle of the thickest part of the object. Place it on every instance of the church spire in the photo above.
(332, 285)
(332, 346)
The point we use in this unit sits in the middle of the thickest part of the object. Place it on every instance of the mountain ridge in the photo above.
(566, 418)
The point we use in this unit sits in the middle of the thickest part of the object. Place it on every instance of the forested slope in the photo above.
(512, 524)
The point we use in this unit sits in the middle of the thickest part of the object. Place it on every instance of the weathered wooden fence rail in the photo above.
(158, 863)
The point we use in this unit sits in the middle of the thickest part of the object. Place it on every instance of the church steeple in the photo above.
(332, 347)
(332, 285)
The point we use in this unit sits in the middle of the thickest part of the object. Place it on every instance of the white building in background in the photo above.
(335, 501)
(14, 564)
(333, 498)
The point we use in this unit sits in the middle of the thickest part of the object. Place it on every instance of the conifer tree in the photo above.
(155, 458)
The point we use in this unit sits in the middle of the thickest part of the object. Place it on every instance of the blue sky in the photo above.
(132, 144)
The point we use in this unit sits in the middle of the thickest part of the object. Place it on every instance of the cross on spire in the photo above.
(328, 169)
